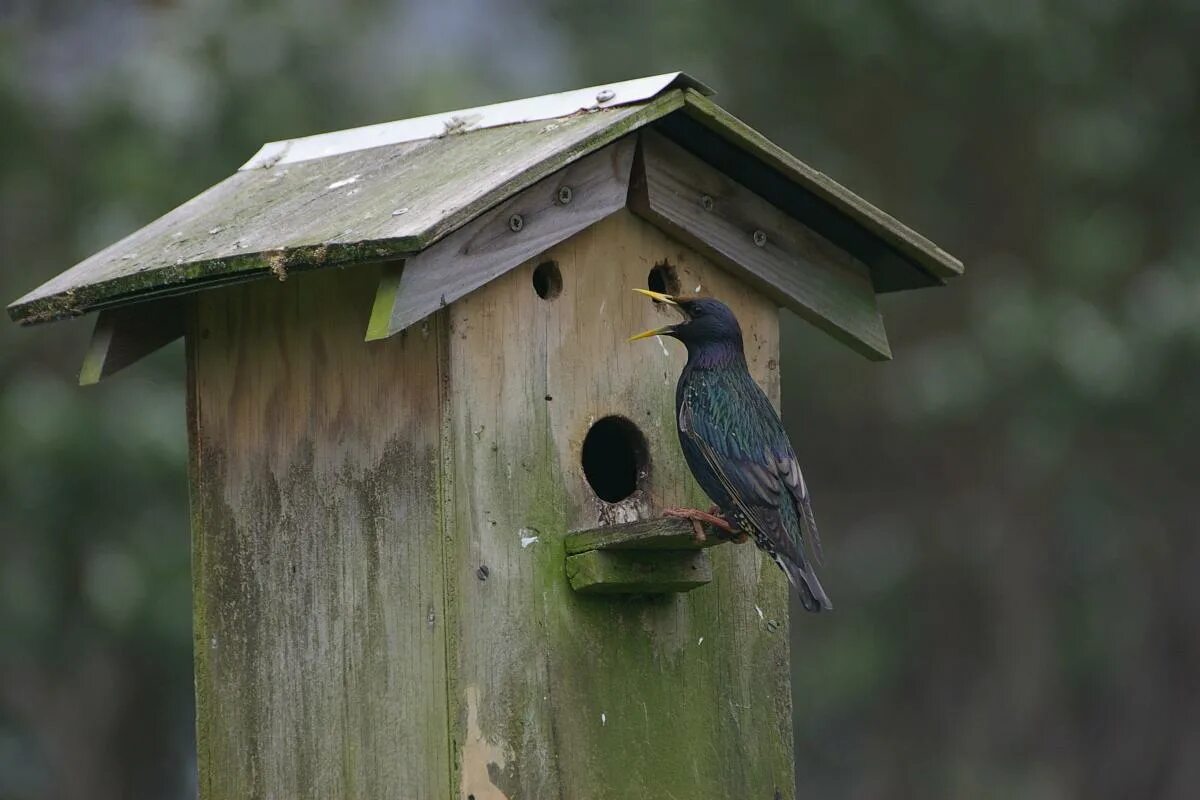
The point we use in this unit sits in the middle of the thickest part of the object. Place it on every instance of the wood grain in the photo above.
(124, 336)
(320, 623)
(487, 247)
(775, 253)
(558, 694)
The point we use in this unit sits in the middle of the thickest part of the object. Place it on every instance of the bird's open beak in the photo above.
(666, 329)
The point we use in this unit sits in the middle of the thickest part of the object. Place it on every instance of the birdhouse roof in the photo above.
(392, 190)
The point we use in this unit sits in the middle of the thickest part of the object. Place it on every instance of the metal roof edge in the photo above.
(531, 109)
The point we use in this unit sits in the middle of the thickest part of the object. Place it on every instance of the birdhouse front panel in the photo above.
(561, 694)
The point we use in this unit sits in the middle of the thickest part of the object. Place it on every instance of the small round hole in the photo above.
(663, 279)
(547, 280)
(615, 455)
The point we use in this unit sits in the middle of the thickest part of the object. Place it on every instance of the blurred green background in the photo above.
(1009, 507)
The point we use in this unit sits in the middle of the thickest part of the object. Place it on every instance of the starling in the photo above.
(736, 447)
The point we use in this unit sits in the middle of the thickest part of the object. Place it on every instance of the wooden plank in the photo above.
(659, 533)
(685, 695)
(123, 336)
(777, 254)
(368, 205)
(512, 232)
(320, 615)
(638, 572)
(933, 258)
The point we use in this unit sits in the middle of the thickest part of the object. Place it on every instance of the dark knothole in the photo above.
(615, 456)
(663, 279)
(547, 280)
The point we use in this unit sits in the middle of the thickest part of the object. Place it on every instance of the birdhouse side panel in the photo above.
(560, 694)
(317, 545)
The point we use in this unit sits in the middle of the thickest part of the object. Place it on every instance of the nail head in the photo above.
(516, 222)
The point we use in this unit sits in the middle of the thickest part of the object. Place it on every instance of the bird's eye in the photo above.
(697, 311)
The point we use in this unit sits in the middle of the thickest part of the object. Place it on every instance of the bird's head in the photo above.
(705, 322)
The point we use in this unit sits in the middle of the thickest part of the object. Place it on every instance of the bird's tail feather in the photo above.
(805, 582)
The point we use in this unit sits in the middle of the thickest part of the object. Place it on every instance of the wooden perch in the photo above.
(650, 556)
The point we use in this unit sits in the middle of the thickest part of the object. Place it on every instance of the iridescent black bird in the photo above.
(736, 446)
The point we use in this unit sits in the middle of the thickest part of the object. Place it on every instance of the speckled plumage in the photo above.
(737, 448)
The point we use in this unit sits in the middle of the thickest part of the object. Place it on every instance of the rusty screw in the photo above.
(760, 239)
(706, 203)
(516, 222)
(565, 194)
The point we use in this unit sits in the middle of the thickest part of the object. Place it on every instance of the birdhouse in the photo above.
(427, 469)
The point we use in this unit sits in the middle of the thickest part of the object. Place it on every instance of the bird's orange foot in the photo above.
(732, 534)
(697, 517)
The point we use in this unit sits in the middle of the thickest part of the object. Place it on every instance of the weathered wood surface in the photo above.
(657, 533)
(775, 253)
(123, 336)
(366, 205)
(320, 623)
(392, 201)
(521, 227)
(638, 571)
(555, 694)
(912, 244)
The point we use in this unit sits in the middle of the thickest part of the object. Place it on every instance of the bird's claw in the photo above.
(726, 531)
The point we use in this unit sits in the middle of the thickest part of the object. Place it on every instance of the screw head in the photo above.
(604, 95)
(565, 194)
(760, 239)
(483, 572)
(516, 222)
(706, 202)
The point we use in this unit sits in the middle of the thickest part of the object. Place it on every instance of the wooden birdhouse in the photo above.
(427, 469)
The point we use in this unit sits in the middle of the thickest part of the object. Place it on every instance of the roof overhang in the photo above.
(391, 191)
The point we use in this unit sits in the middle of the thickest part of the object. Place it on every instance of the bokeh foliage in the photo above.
(1008, 507)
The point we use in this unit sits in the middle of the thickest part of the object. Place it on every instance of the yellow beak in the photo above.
(659, 296)
(662, 298)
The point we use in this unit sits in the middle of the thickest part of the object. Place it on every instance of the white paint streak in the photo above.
(759, 610)
(346, 182)
(700, 642)
(603, 719)
(663, 345)
(527, 540)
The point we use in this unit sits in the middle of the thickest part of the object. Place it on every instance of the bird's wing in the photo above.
(793, 479)
(756, 477)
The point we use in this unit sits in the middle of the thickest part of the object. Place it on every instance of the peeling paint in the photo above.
(478, 754)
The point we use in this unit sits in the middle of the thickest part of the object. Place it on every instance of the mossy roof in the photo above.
(388, 191)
